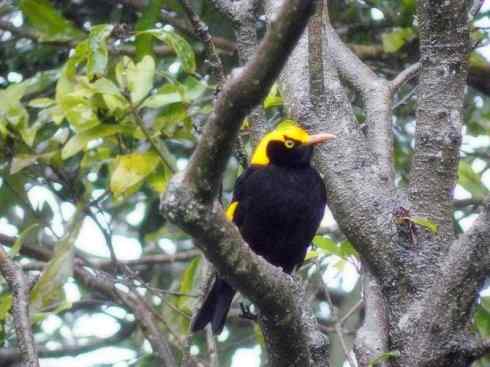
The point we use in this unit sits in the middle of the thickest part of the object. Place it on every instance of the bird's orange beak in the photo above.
(320, 138)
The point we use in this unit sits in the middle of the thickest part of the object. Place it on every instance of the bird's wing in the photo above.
(234, 212)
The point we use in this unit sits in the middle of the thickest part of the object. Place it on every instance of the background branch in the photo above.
(26, 346)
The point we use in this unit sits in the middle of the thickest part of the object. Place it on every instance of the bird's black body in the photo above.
(280, 206)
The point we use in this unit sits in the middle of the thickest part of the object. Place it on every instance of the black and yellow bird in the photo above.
(278, 203)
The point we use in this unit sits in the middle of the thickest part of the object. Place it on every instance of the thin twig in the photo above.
(475, 8)
(405, 98)
(202, 31)
(404, 76)
(353, 310)
(153, 143)
(338, 328)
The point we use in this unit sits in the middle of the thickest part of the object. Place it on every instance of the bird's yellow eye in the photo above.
(289, 144)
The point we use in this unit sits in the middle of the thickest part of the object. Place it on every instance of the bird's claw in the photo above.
(246, 313)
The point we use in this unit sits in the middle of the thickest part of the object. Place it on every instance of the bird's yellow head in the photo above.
(288, 142)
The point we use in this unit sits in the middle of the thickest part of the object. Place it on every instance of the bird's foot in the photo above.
(247, 313)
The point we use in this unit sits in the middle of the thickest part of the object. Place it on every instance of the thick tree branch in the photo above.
(376, 95)
(432, 325)
(26, 345)
(190, 201)
(468, 262)
(478, 72)
(444, 40)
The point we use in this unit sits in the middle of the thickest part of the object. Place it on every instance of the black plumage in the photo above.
(280, 206)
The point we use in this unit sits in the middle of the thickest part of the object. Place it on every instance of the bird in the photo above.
(278, 203)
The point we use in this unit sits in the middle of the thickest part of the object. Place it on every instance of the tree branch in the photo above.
(26, 345)
(190, 201)
(434, 323)
(468, 261)
(404, 76)
(243, 14)
(376, 95)
(438, 134)
(8, 355)
(201, 30)
(108, 286)
(372, 338)
(476, 347)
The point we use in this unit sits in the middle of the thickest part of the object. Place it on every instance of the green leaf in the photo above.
(181, 47)
(482, 321)
(11, 109)
(79, 109)
(485, 303)
(79, 55)
(187, 283)
(97, 57)
(5, 305)
(188, 280)
(41, 102)
(121, 72)
(52, 26)
(168, 94)
(140, 78)
(106, 86)
(259, 336)
(426, 223)
(311, 254)
(193, 88)
(384, 357)
(78, 142)
(342, 249)
(393, 41)
(48, 289)
(111, 94)
(132, 169)
(96, 157)
(471, 180)
(159, 179)
(22, 161)
(273, 99)
(20, 240)
(325, 244)
(40, 81)
(171, 119)
(144, 42)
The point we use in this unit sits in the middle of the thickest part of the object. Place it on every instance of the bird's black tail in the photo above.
(215, 307)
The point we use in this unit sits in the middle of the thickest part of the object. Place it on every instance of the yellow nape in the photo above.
(287, 129)
(230, 212)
